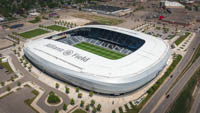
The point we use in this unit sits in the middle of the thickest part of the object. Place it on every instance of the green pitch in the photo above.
(33, 33)
(56, 28)
(99, 51)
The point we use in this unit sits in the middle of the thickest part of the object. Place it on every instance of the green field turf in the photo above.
(33, 33)
(56, 28)
(99, 51)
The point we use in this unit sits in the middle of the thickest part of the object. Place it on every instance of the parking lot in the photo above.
(14, 103)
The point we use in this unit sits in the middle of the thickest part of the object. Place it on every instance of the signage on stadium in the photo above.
(68, 53)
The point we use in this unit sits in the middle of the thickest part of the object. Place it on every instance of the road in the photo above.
(169, 81)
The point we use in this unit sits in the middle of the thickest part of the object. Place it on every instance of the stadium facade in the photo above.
(145, 57)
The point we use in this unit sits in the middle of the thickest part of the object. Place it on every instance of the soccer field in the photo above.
(56, 28)
(33, 33)
(99, 51)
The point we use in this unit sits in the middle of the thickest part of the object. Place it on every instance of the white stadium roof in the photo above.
(153, 50)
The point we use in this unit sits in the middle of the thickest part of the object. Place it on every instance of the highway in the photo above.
(153, 102)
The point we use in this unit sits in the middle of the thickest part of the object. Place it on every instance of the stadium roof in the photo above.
(82, 61)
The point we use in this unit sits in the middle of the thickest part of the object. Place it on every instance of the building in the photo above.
(58, 55)
(171, 4)
(2, 19)
(108, 10)
(180, 17)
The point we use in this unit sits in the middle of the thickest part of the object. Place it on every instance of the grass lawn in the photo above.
(158, 28)
(100, 19)
(99, 51)
(6, 65)
(33, 33)
(182, 38)
(34, 21)
(56, 28)
(79, 111)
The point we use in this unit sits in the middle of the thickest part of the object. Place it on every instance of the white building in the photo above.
(172, 4)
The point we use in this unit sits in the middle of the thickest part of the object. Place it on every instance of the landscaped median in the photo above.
(33, 33)
(182, 38)
(152, 90)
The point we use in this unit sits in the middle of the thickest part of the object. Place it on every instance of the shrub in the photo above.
(53, 99)
(72, 101)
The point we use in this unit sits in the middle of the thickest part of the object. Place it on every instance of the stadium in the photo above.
(104, 59)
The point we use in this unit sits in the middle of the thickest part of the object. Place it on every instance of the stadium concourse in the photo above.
(104, 59)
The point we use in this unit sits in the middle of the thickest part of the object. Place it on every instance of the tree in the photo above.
(77, 89)
(113, 111)
(18, 83)
(99, 107)
(2, 83)
(72, 101)
(82, 103)
(12, 78)
(25, 64)
(8, 88)
(94, 110)
(38, 19)
(80, 95)
(67, 90)
(65, 107)
(19, 48)
(57, 85)
(56, 111)
(15, 52)
(91, 93)
(92, 102)
(87, 108)
(21, 60)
